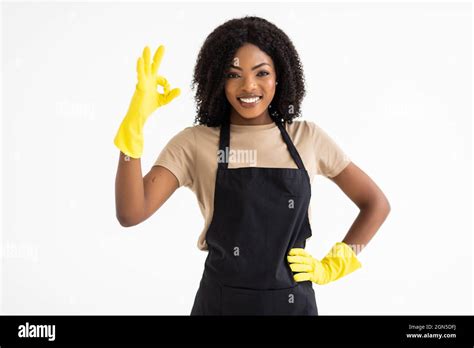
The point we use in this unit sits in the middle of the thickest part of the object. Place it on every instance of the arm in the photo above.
(137, 198)
(374, 206)
(341, 259)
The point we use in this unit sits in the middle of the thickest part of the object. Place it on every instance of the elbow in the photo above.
(388, 207)
(378, 203)
(127, 221)
(383, 206)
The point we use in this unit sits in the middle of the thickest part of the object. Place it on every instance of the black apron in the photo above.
(259, 215)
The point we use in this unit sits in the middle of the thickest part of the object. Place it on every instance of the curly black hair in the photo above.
(216, 55)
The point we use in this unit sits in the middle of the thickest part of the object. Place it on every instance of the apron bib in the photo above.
(259, 215)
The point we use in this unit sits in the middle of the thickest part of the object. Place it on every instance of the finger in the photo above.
(162, 81)
(164, 99)
(146, 59)
(299, 252)
(299, 259)
(173, 93)
(301, 277)
(157, 60)
(298, 267)
(140, 68)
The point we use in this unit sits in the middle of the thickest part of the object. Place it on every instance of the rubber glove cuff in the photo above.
(339, 262)
(129, 138)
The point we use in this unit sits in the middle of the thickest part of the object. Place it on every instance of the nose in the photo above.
(248, 84)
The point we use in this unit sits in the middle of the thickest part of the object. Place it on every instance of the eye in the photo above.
(231, 75)
(266, 73)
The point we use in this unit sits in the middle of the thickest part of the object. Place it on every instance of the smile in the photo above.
(249, 102)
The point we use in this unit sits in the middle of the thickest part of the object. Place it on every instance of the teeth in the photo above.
(250, 100)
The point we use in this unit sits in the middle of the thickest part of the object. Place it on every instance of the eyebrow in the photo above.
(255, 67)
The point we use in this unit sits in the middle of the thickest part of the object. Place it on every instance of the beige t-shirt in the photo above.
(192, 155)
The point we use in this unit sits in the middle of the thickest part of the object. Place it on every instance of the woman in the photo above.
(255, 194)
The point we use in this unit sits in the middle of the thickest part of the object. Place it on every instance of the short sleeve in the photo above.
(178, 156)
(330, 158)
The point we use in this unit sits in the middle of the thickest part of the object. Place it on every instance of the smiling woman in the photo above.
(249, 86)
(240, 61)
(250, 89)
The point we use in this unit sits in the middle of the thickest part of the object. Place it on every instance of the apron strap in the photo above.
(291, 147)
(224, 142)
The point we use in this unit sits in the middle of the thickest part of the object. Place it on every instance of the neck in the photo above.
(236, 118)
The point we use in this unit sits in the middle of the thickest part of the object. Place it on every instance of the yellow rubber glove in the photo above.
(145, 101)
(339, 262)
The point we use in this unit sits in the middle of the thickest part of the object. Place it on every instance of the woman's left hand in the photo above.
(339, 262)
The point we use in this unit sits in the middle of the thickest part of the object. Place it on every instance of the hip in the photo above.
(214, 298)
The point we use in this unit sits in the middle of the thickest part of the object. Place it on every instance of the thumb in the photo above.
(164, 99)
(173, 94)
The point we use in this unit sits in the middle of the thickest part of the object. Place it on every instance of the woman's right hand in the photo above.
(146, 99)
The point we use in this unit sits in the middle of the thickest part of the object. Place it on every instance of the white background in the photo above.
(391, 83)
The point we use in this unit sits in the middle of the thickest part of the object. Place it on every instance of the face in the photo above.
(250, 85)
